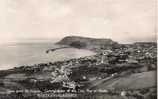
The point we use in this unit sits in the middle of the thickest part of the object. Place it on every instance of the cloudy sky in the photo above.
(121, 20)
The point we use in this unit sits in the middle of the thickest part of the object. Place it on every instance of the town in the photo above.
(89, 72)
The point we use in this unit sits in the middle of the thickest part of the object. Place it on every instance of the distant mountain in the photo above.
(145, 44)
(88, 43)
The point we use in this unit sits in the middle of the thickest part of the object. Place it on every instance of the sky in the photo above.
(120, 20)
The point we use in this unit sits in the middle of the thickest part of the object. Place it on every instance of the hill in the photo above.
(85, 42)
(133, 81)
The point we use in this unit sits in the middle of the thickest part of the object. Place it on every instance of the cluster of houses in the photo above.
(61, 71)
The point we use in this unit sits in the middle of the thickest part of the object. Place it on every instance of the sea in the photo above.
(32, 52)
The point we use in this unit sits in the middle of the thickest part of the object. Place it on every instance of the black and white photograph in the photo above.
(78, 49)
